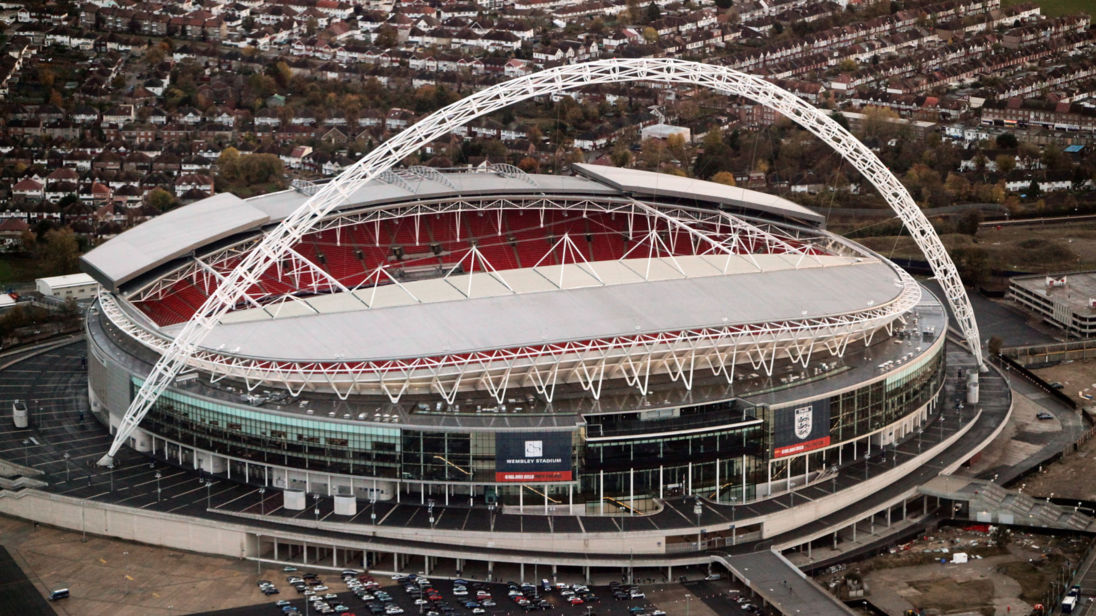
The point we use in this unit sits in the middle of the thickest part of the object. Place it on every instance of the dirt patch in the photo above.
(1047, 248)
(1078, 379)
(950, 595)
(996, 580)
(1034, 577)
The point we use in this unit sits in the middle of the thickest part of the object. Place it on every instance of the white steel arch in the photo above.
(278, 243)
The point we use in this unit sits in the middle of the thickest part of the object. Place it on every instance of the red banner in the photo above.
(791, 450)
(527, 476)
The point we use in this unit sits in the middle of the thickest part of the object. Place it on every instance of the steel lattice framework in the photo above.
(275, 246)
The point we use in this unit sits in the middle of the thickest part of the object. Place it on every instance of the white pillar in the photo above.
(521, 498)
(631, 490)
(743, 499)
(601, 501)
(660, 481)
(717, 481)
(690, 477)
(545, 499)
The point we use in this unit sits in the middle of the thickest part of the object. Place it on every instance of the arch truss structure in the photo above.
(276, 246)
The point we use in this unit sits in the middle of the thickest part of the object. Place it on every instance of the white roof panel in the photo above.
(170, 235)
(648, 183)
(409, 329)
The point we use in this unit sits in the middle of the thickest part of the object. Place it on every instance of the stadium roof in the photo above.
(650, 184)
(184, 230)
(454, 325)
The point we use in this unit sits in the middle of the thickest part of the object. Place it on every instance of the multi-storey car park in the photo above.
(483, 366)
(586, 342)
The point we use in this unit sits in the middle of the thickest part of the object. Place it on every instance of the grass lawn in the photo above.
(16, 269)
(1055, 8)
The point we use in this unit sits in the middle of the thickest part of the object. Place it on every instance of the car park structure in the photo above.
(483, 366)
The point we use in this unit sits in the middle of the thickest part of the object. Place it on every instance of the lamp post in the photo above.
(111, 468)
(125, 571)
(68, 474)
(262, 501)
(491, 510)
(26, 452)
(158, 491)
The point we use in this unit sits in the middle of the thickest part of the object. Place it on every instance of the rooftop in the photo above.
(451, 324)
(1077, 293)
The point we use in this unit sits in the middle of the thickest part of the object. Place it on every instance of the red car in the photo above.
(577, 601)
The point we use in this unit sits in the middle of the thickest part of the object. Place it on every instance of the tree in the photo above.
(653, 12)
(61, 252)
(715, 157)
(281, 73)
(650, 34)
(995, 344)
(228, 164)
(724, 177)
(161, 200)
(386, 37)
(968, 223)
(529, 165)
(1005, 163)
(1007, 141)
(724, 4)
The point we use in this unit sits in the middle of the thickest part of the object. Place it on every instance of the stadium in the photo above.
(483, 367)
(589, 341)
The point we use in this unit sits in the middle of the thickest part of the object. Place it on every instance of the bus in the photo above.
(1068, 604)
(19, 414)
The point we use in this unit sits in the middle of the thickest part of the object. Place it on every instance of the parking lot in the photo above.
(692, 600)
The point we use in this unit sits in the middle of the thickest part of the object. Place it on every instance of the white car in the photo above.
(460, 591)
(637, 594)
(421, 601)
(393, 609)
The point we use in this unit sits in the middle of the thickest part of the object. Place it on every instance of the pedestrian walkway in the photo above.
(782, 585)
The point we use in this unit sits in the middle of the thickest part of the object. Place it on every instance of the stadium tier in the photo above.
(609, 337)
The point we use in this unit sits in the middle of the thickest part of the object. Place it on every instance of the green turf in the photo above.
(1055, 8)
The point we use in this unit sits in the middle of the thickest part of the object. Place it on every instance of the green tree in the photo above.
(60, 253)
(228, 164)
(386, 37)
(653, 13)
(1007, 141)
(161, 200)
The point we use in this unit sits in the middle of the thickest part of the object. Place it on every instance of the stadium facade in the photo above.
(588, 343)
